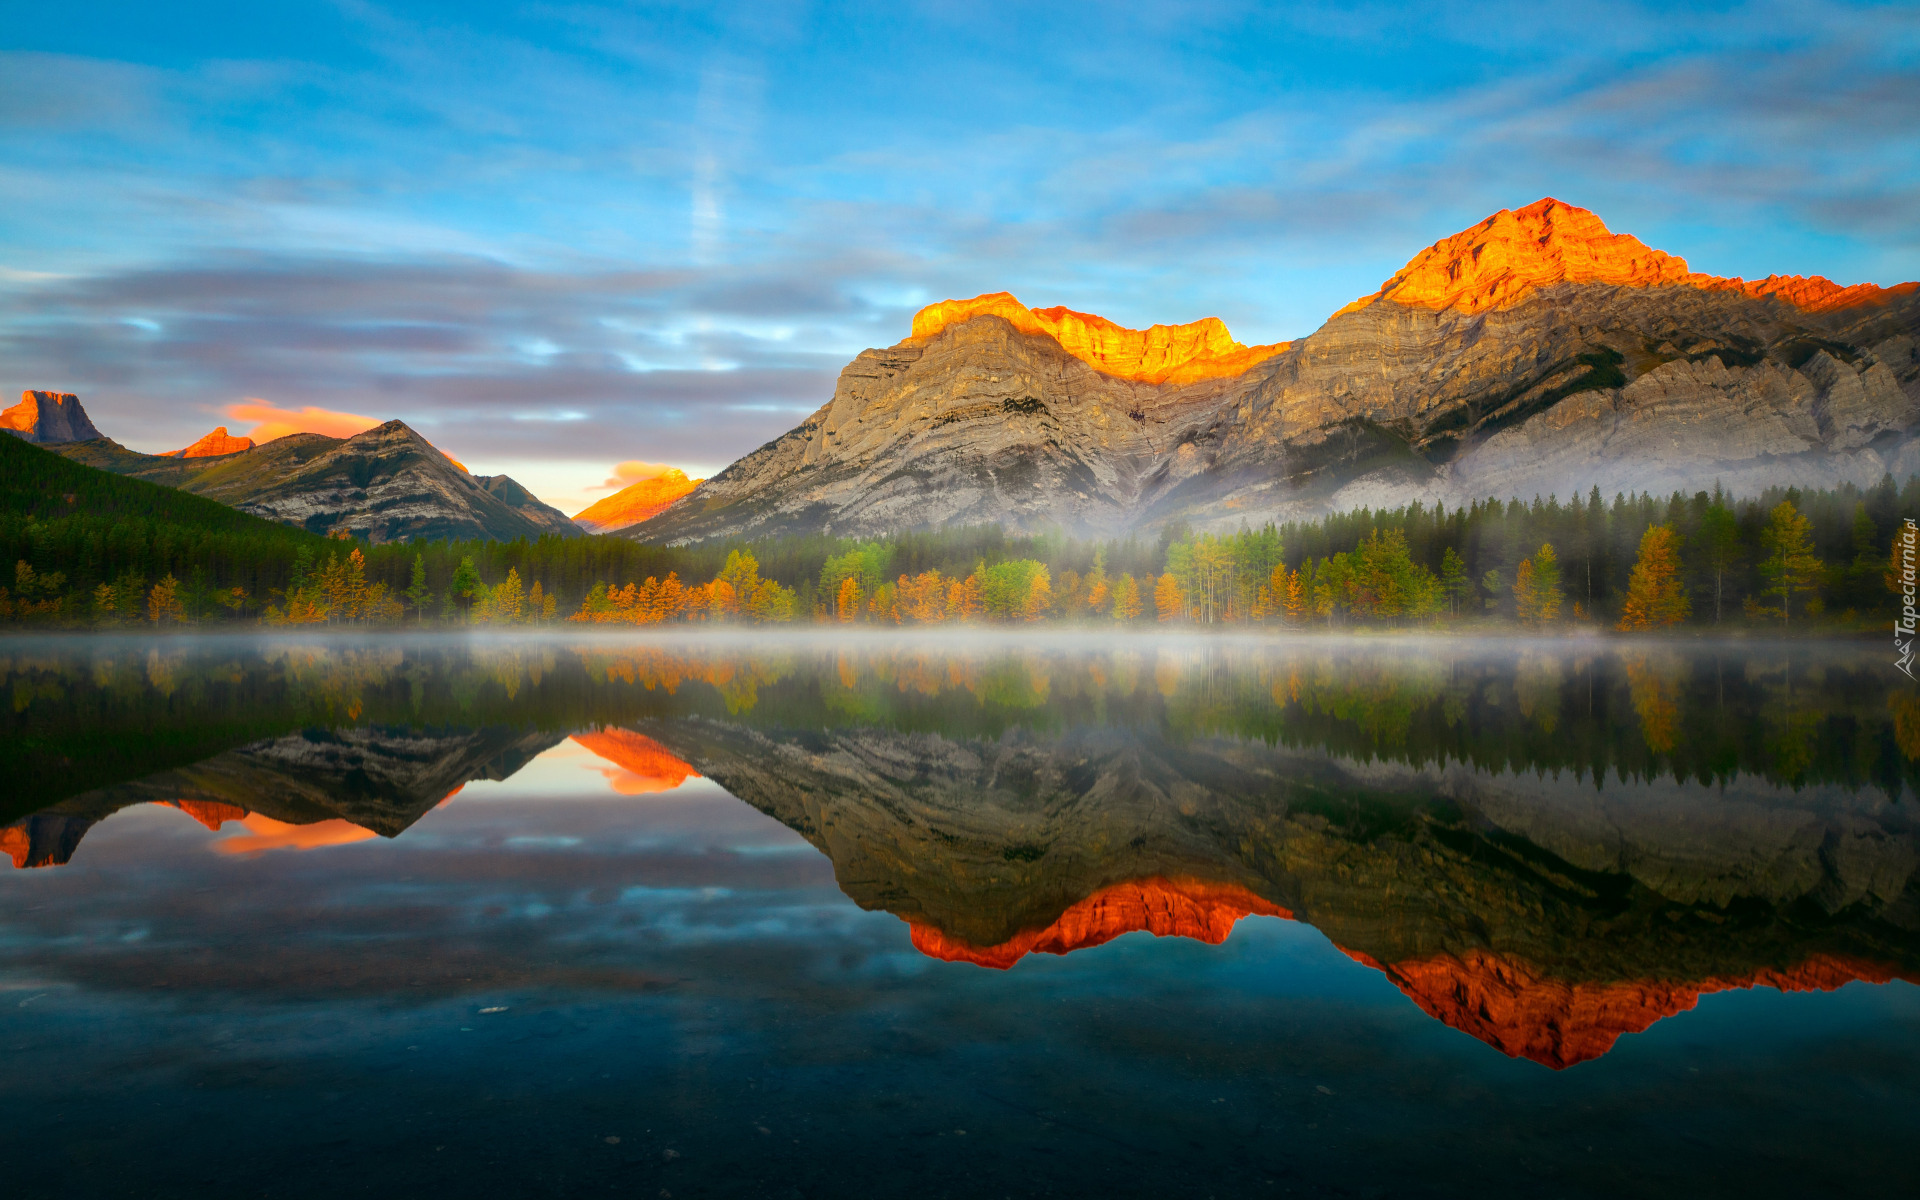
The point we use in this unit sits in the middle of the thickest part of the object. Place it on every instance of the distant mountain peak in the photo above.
(213, 445)
(47, 418)
(1178, 354)
(387, 483)
(636, 502)
(1514, 252)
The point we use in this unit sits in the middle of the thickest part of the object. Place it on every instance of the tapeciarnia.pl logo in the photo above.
(1904, 627)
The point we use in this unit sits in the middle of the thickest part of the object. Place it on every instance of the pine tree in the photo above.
(1536, 587)
(418, 594)
(1453, 580)
(466, 586)
(1719, 547)
(1789, 567)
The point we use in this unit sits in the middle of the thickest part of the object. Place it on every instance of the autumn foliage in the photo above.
(1656, 598)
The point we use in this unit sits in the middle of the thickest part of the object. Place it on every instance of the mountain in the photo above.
(636, 502)
(1535, 353)
(48, 417)
(213, 445)
(1540, 914)
(378, 779)
(387, 484)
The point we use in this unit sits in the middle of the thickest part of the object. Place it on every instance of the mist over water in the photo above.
(971, 915)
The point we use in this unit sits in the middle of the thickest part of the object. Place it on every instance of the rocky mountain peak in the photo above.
(636, 502)
(1202, 349)
(47, 418)
(1501, 260)
(213, 445)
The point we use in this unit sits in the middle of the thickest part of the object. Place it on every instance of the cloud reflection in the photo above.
(265, 833)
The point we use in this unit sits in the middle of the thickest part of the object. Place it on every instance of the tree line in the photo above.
(90, 548)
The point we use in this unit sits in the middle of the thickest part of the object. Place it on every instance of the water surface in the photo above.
(967, 917)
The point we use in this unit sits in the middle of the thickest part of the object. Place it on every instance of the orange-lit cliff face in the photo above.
(1206, 912)
(641, 764)
(1510, 1006)
(1176, 354)
(214, 444)
(1512, 253)
(16, 844)
(1809, 293)
(210, 813)
(635, 503)
(1501, 1000)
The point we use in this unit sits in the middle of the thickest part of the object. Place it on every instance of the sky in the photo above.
(563, 240)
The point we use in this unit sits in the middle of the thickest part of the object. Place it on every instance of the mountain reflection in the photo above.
(1546, 849)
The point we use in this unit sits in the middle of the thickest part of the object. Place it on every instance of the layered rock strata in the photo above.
(1545, 917)
(1536, 353)
(387, 484)
(375, 779)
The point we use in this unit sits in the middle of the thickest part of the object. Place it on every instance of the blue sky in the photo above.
(557, 236)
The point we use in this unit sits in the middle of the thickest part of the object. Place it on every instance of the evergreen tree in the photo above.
(1454, 582)
(418, 594)
(466, 586)
(1789, 567)
(1547, 593)
(1719, 547)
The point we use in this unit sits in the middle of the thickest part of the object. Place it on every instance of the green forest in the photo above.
(90, 549)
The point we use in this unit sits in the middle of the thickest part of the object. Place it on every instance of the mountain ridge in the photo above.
(1537, 352)
(385, 484)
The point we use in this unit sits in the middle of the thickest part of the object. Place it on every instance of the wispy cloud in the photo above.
(674, 225)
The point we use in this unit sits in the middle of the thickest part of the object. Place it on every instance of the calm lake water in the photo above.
(993, 917)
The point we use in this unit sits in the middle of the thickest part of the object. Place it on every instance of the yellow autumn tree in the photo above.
(1790, 568)
(163, 602)
(1294, 605)
(1537, 596)
(1126, 599)
(846, 605)
(1168, 600)
(963, 599)
(1656, 597)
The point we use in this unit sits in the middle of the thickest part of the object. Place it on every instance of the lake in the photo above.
(968, 916)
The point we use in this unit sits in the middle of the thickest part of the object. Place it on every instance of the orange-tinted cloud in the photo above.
(265, 833)
(276, 422)
(628, 473)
